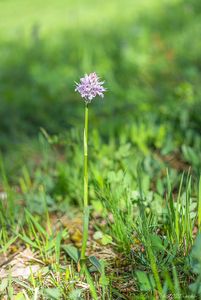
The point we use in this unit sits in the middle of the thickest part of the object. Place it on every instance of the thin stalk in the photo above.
(178, 211)
(86, 204)
(90, 283)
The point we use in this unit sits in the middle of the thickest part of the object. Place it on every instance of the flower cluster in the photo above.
(90, 86)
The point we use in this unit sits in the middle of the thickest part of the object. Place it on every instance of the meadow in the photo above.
(144, 150)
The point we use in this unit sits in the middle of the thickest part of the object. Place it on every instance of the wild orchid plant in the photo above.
(89, 87)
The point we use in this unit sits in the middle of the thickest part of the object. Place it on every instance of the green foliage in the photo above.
(52, 293)
(37, 75)
(72, 252)
(146, 282)
(144, 224)
(196, 266)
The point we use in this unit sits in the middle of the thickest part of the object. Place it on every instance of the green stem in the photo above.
(86, 204)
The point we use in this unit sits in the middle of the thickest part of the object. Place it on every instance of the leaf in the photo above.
(104, 281)
(27, 240)
(95, 262)
(53, 293)
(106, 239)
(3, 284)
(75, 294)
(19, 296)
(37, 225)
(58, 246)
(91, 284)
(146, 282)
(195, 287)
(156, 242)
(196, 265)
(195, 256)
(72, 252)
(8, 244)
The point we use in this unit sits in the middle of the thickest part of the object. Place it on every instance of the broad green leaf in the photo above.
(95, 262)
(72, 252)
(53, 293)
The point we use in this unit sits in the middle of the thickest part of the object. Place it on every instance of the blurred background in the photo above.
(147, 51)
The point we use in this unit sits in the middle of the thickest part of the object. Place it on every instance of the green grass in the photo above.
(144, 150)
(143, 235)
(51, 16)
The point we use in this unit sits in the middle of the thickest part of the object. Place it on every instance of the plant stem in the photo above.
(86, 205)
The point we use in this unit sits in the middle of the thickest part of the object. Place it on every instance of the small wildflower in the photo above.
(90, 86)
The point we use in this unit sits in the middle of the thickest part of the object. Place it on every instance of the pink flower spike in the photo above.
(90, 86)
